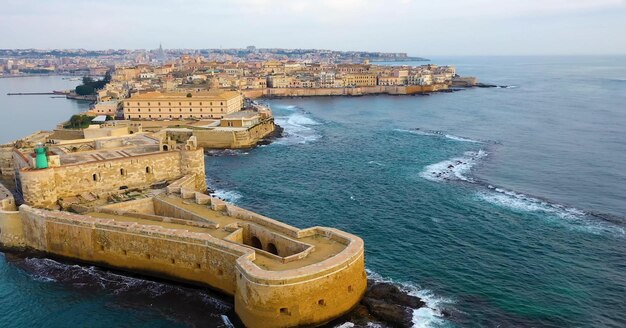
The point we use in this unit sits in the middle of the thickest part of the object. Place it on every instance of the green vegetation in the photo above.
(90, 85)
(81, 121)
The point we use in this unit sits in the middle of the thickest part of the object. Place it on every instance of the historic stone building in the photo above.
(182, 105)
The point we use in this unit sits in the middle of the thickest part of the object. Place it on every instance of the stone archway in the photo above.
(272, 248)
(256, 242)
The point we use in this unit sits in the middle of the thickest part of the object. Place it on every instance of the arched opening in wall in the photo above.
(148, 169)
(123, 187)
(272, 248)
(256, 242)
(166, 148)
(122, 172)
(95, 177)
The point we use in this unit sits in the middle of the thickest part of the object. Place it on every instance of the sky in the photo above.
(418, 27)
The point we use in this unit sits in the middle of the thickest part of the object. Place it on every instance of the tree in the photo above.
(87, 80)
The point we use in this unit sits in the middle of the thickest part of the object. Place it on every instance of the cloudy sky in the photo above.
(421, 28)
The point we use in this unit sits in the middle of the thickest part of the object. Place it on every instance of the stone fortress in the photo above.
(137, 202)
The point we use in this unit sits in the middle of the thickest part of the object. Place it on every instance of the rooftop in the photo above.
(202, 95)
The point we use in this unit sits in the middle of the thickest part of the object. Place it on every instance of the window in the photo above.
(95, 177)
(122, 172)
(148, 169)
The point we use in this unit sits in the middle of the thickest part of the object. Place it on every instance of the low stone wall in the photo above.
(351, 91)
(220, 139)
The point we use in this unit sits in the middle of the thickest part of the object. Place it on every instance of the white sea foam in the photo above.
(425, 317)
(437, 134)
(456, 138)
(297, 129)
(227, 321)
(226, 152)
(572, 218)
(289, 107)
(230, 196)
(453, 169)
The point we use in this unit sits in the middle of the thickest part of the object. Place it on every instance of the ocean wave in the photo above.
(297, 129)
(428, 316)
(574, 218)
(230, 196)
(288, 107)
(436, 133)
(453, 169)
(455, 138)
(226, 152)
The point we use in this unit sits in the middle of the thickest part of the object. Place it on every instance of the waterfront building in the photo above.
(359, 80)
(181, 105)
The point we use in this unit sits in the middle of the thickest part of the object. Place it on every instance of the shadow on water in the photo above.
(179, 303)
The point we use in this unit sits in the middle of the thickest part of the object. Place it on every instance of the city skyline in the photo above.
(453, 27)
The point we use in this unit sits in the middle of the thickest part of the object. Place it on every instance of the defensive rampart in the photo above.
(346, 91)
(279, 276)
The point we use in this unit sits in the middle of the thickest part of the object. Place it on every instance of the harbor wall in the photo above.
(346, 91)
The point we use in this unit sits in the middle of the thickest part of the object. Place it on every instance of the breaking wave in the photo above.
(226, 152)
(453, 169)
(230, 196)
(297, 129)
(435, 133)
(574, 218)
(459, 169)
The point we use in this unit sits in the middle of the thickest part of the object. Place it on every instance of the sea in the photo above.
(499, 207)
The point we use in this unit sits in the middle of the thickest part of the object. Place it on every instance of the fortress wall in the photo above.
(261, 220)
(214, 139)
(284, 245)
(357, 91)
(154, 251)
(42, 188)
(10, 221)
(295, 297)
(11, 234)
(166, 209)
(6, 161)
(291, 303)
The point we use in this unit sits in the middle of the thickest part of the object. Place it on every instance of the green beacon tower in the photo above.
(41, 161)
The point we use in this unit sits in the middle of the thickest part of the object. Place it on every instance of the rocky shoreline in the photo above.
(385, 305)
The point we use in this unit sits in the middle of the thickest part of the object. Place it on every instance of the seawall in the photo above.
(352, 91)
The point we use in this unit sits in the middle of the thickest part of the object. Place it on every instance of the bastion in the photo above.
(139, 204)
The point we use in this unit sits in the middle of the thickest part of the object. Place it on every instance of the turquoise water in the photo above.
(503, 207)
